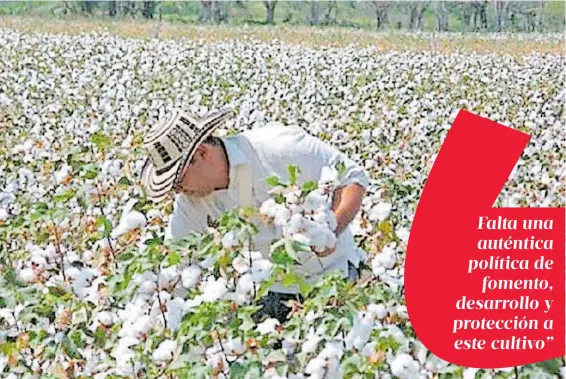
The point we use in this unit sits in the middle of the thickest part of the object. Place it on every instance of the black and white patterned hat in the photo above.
(170, 144)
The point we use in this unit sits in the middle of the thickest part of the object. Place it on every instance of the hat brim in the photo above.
(159, 183)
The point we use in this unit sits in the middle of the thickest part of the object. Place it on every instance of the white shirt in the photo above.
(268, 151)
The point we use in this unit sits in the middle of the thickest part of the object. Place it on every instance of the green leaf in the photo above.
(103, 221)
(101, 141)
(124, 181)
(341, 167)
(64, 197)
(309, 186)
(174, 258)
(293, 171)
(273, 181)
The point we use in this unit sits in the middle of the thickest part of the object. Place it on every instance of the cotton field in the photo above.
(88, 287)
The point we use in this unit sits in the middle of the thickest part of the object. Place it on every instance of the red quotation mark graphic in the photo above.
(448, 272)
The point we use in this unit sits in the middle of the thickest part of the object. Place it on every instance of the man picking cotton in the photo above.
(211, 175)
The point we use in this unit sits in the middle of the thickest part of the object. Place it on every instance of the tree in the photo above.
(381, 9)
(441, 16)
(314, 13)
(416, 14)
(480, 14)
(206, 11)
(270, 11)
(112, 8)
(220, 11)
(500, 13)
(328, 19)
(149, 9)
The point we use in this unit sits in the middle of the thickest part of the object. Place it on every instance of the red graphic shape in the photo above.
(469, 172)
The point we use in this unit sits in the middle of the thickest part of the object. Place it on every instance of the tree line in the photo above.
(474, 15)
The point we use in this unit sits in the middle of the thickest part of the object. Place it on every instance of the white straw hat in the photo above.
(170, 144)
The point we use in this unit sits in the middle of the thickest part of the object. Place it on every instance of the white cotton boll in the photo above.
(83, 280)
(105, 318)
(360, 333)
(383, 261)
(234, 346)
(129, 221)
(403, 234)
(378, 310)
(316, 368)
(240, 265)
(141, 326)
(62, 174)
(213, 289)
(314, 200)
(369, 349)
(176, 309)
(311, 342)
(4, 215)
(164, 351)
(366, 135)
(168, 277)
(190, 276)
(294, 225)
(153, 213)
(328, 176)
(229, 240)
(268, 326)
(470, 373)
(380, 211)
(261, 270)
(291, 198)
(282, 216)
(320, 218)
(28, 275)
(245, 288)
(269, 207)
(405, 367)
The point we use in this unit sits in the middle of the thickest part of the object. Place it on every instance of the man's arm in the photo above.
(346, 203)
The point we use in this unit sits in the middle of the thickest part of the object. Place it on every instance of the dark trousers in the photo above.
(273, 304)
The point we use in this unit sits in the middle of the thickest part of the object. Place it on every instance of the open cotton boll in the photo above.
(282, 216)
(328, 177)
(405, 367)
(360, 333)
(378, 310)
(314, 200)
(269, 207)
(164, 351)
(230, 240)
(190, 276)
(268, 326)
(128, 222)
(213, 289)
(62, 174)
(261, 270)
(383, 261)
(380, 211)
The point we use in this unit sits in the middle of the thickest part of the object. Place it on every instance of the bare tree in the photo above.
(417, 10)
(149, 9)
(112, 8)
(500, 13)
(328, 18)
(480, 14)
(220, 11)
(270, 11)
(441, 16)
(314, 13)
(381, 9)
(206, 11)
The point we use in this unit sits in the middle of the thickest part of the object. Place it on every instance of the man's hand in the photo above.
(326, 252)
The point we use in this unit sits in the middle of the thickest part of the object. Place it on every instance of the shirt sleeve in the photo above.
(186, 218)
(311, 154)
